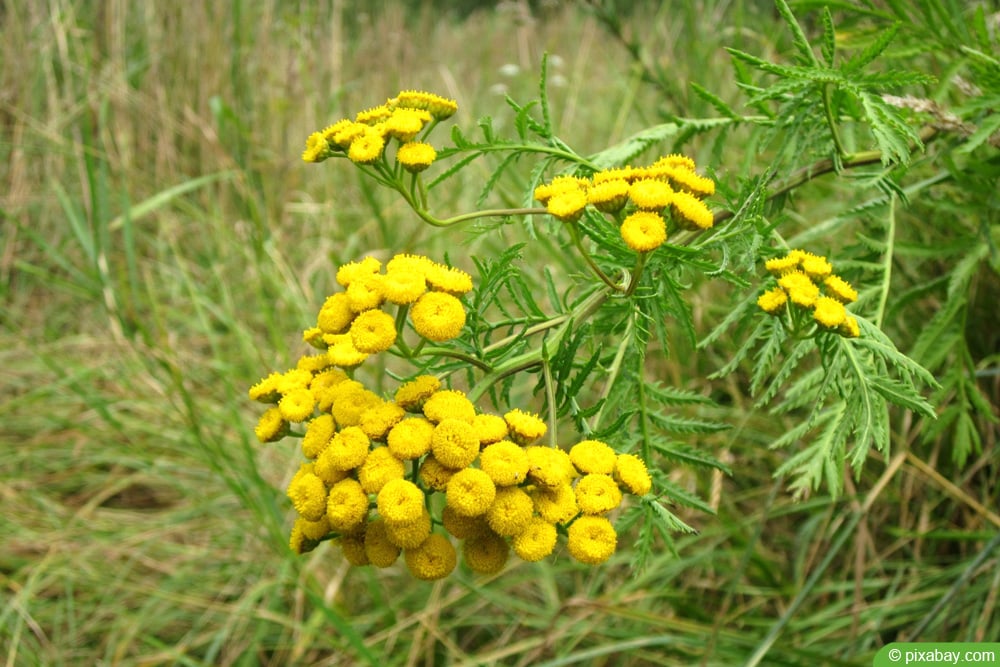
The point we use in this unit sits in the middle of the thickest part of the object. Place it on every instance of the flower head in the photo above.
(547, 467)
(317, 436)
(449, 404)
(510, 512)
(336, 315)
(434, 475)
(352, 545)
(415, 156)
(351, 271)
(556, 504)
(365, 293)
(374, 115)
(347, 505)
(297, 405)
(536, 541)
(435, 558)
(346, 450)
(447, 279)
(650, 194)
(779, 266)
(829, 312)
(271, 427)
(608, 196)
(379, 548)
(379, 469)
(597, 494)
(815, 266)
(772, 300)
(377, 421)
(403, 287)
(504, 462)
(593, 456)
(454, 443)
(470, 492)
(438, 316)
(404, 124)
(644, 231)
(525, 427)
(410, 535)
(461, 526)
(412, 395)
(801, 290)
(591, 539)
(373, 331)
(486, 552)
(317, 149)
(308, 495)
(691, 212)
(410, 438)
(567, 206)
(850, 328)
(631, 475)
(489, 428)
(400, 501)
(439, 107)
(366, 147)
(840, 289)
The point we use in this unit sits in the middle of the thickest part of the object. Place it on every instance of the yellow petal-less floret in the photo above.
(449, 404)
(524, 427)
(403, 287)
(314, 530)
(556, 504)
(346, 450)
(266, 390)
(801, 290)
(840, 289)
(400, 501)
(439, 107)
(434, 475)
(454, 443)
(608, 196)
(412, 395)
(405, 124)
(366, 147)
(317, 436)
(470, 492)
(691, 212)
(591, 540)
(378, 469)
(374, 115)
(410, 438)
(298, 542)
(336, 315)
(593, 456)
(351, 271)
(346, 506)
(567, 206)
(434, 559)
(308, 495)
(816, 266)
(437, 316)
(511, 510)
(376, 422)
(365, 293)
(373, 331)
(829, 312)
(297, 405)
(779, 266)
(461, 526)
(410, 535)
(597, 494)
(342, 352)
(485, 553)
(448, 279)
(536, 541)
(416, 156)
(772, 301)
(353, 547)
(689, 181)
(350, 404)
(650, 194)
(317, 148)
(271, 427)
(850, 327)
(379, 549)
(632, 476)
(546, 466)
(644, 231)
(489, 428)
(504, 462)
(325, 470)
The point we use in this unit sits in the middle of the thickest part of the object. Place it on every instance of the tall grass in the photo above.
(161, 246)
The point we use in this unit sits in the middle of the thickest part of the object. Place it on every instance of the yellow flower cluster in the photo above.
(807, 281)
(364, 139)
(640, 198)
(492, 487)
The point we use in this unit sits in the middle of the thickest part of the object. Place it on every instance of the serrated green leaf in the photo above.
(670, 521)
(873, 50)
(683, 497)
(677, 424)
(829, 47)
(987, 127)
(902, 394)
(628, 150)
(798, 36)
(684, 453)
(715, 101)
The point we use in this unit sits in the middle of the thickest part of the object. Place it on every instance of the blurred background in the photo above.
(163, 246)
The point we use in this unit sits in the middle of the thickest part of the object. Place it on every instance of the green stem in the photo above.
(574, 232)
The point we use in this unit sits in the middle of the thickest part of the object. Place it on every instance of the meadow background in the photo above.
(163, 245)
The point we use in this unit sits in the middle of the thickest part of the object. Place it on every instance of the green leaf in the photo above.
(829, 47)
(799, 37)
(629, 149)
(902, 394)
(715, 101)
(858, 62)
(987, 127)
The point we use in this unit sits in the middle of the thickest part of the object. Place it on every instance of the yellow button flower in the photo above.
(347, 449)
(626, 173)
(470, 492)
(850, 328)
(403, 287)
(297, 405)
(349, 405)
(525, 427)
(298, 542)
(689, 181)
(547, 467)
(591, 540)
(461, 526)
(772, 301)
(336, 315)
(317, 149)
(454, 443)
(448, 279)
(348, 273)
(489, 428)
(691, 212)
(567, 206)
(342, 352)
(410, 438)
(485, 553)
(504, 462)
(266, 390)
(314, 530)
(593, 456)
(556, 504)
(415, 156)
(597, 494)
(840, 289)
(632, 476)
(271, 427)
(308, 495)
(373, 331)
(353, 548)
(650, 194)
(378, 469)
(412, 395)
(434, 475)
(449, 404)
(366, 147)
(511, 511)
(829, 312)
(365, 293)
(439, 107)
(434, 559)
(815, 266)
(644, 231)
(779, 266)
(379, 548)
(325, 470)
(536, 542)
(377, 421)
(404, 124)
(410, 535)
(347, 505)
(801, 290)
(400, 501)
(317, 436)
(438, 316)
(608, 196)
(374, 115)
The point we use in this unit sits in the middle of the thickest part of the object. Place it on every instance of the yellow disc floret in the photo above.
(829, 312)
(597, 494)
(470, 492)
(438, 316)
(593, 456)
(631, 475)
(415, 156)
(644, 231)
(536, 541)
(772, 301)
(454, 443)
(591, 540)
(434, 559)
(486, 552)
(505, 463)
(525, 427)
(511, 511)
(373, 331)
(400, 501)
(347, 505)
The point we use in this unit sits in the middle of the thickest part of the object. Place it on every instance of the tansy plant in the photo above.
(448, 463)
